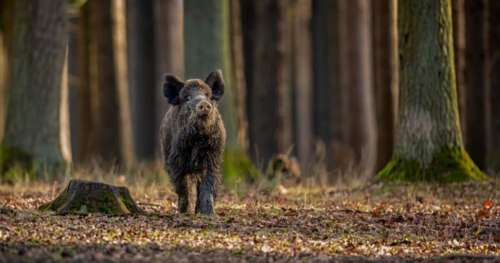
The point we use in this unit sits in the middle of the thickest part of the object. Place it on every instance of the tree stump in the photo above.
(83, 197)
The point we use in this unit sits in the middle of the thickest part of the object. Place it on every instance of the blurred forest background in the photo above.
(316, 80)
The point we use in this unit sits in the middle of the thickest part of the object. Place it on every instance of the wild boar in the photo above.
(193, 137)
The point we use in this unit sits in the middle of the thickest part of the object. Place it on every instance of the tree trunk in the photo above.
(494, 77)
(119, 38)
(142, 76)
(302, 79)
(64, 111)
(268, 94)
(429, 143)
(356, 80)
(169, 49)
(207, 49)
(458, 15)
(328, 95)
(477, 87)
(5, 31)
(385, 75)
(109, 136)
(238, 74)
(36, 59)
(3, 83)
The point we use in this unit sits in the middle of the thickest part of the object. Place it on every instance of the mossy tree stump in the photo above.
(82, 197)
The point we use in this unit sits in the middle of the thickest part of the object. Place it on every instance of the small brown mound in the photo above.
(83, 197)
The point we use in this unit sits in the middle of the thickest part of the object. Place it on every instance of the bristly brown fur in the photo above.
(193, 147)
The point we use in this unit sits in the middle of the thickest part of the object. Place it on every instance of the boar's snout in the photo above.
(203, 108)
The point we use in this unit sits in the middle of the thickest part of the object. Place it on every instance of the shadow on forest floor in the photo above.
(153, 253)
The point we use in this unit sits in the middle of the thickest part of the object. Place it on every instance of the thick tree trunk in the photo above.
(328, 95)
(64, 111)
(429, 144)
(494, 99)
(109, 136)
(268, 92)
(36, 59)
(477, 87)
(3, 83)
(207, 49)
(302, 79)
(142, 76)
(238, 74)
(169, 49)
(6, 21)
(458, 17)
(119, 38)
(385, 75)
(84, 117)
(356, 80)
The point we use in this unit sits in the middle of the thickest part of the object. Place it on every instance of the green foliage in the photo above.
(451, 164)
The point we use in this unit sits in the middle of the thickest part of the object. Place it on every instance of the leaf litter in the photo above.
(456, 223)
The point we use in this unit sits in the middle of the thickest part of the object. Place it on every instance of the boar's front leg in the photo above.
(207, 189)
(185, 188)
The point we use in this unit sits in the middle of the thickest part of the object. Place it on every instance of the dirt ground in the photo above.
(403, 223)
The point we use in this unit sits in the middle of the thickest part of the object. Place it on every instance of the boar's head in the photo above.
(196, 99)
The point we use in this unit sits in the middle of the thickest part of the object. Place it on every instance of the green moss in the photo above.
(238, 168)
(82, 197)
(451, 164)
(15, 165)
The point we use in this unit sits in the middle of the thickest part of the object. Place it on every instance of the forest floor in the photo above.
(456, 223)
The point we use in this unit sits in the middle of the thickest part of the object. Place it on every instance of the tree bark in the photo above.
(238, 74)
(109, 135)
(142, 76)
(169, 49)
(84, 117)
(207, 49)
(477, 87)
(494, 77)
(119, 38)
(268, 93)
(302, 79)
(36, 59)
(356, 79)
(3, 83)
(458, 15)
(6, 22)
(64, 111)
(429, 143)
(328, 95)
(206, 24)
(385, 75)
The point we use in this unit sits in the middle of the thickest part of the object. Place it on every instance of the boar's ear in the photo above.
(216, 83)
(171, 88)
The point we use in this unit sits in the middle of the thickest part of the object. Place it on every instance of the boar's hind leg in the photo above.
(185, 193)
(206, 195)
